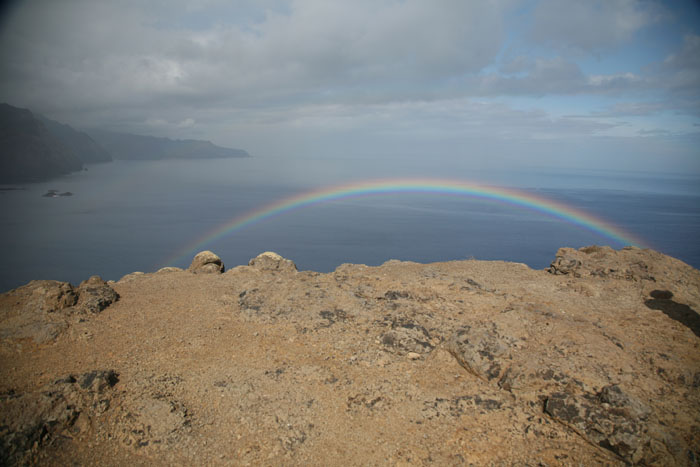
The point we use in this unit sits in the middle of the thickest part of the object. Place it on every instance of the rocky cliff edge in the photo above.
(593, 361)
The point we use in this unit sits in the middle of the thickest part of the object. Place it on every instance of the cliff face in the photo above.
(29, 151)
(594, 361)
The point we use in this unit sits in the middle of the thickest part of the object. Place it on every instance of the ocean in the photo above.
(128, 216)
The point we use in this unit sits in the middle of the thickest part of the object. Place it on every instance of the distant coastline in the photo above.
(127, 146)
(36, 148)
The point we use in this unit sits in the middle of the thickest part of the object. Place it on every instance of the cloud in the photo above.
(682, 69)
(555, 76)
(186, 123)
(399, 70)
(590, 26)
(95, 54)
(653, 132)
(535, 77)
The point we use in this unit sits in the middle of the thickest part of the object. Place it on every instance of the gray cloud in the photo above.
(590, 26)
(57, 55)
(681, 71)
(391, 73)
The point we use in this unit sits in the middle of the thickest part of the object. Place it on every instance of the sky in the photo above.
(594, 84)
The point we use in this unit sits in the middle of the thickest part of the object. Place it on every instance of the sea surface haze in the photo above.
(133, 216)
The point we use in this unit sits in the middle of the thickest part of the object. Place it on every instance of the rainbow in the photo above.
(393, 186)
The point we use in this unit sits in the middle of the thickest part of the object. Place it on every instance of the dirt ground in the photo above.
(593, 361)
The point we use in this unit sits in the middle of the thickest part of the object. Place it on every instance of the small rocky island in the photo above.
(56, 194)
(594, 361)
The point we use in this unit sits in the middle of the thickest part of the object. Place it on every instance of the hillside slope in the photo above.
(594, 361)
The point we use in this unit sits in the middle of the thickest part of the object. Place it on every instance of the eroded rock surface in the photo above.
(595, 361)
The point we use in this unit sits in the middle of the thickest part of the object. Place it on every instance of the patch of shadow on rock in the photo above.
(661, 301)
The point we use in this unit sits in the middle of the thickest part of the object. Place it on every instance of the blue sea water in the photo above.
(133, 216)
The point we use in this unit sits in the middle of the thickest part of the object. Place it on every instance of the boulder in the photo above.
(94, 295)
(206, 262)
(270, 261)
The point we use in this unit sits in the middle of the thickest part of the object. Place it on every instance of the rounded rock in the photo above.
(271, 261)
(206, 262)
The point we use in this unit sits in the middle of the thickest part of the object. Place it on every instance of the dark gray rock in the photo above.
(564, 265)
(610, 419)
(406, 336)
(482, 352)
(94, 295)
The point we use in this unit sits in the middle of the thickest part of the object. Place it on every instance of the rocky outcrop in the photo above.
(42, 310)
(206, 262)
(94, 295)
(270, 261)
(609, 419)
(630, 263)
(594, 361)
